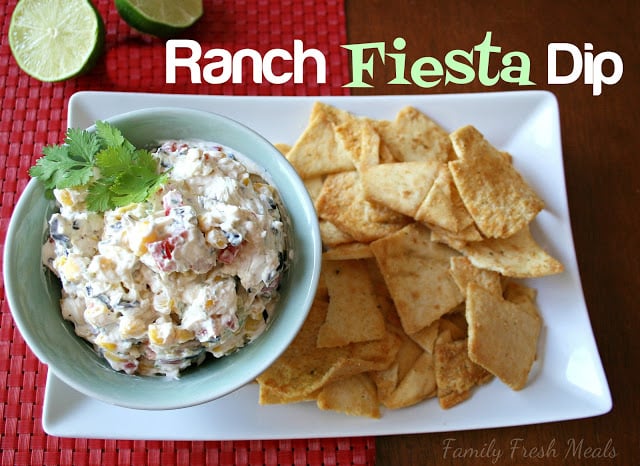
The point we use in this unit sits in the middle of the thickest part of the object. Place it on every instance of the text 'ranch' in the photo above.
(281, 66)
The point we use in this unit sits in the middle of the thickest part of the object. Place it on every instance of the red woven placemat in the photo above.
(33, 114)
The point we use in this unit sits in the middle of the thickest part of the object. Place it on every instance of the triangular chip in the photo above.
(371, 355)
(493, 191)
(426, 337)
(284, 148)
(314, 186)
(385, 155)
(331, 235)
(400, 186)
(414, 136)
(456, 240)
(416, 271)
(386, 381)
(342, 202)
(443, 205)
(354, 310)
(407, 355)
(316, 151)
(503, 336)
(355, 396)
(523, 296)
(409, 379)
(303, 369)
(269, 395)
(418, 384)
(322, 292)
(359, 138)
(456, 374)
(464, 272)
(517, 256)
(348, 251)
(456, 328)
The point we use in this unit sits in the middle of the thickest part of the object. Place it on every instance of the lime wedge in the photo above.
(161, 18)
(57, 39)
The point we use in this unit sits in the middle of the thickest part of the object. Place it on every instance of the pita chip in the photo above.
(426, 337)
(456, 240)
(401, 186)
(503, 336)
(314, 186)
(282, 147)
(413, 136)
(316, 152)
(304, 369)
(354, 310)
(418, 384)
(358, 137)
(456, 374)
(496, 195)
(342, 202)
(348, 251)
(517, 256)
(355, 396)
(443, 205)
(464, 272)
(416, 271)
(331, 235)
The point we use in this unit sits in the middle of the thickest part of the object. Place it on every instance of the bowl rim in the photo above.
(311, 230)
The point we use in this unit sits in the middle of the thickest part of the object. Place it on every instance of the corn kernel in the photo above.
(98, 315)
(105, 263)
(105, 344)
(68, 267)
(161, 334)
(125, 209)
(113, 357)
(154, 336)
(130, 327)
(141, 235)
(209, 303)
(64, 197)
(184, 335)
(251, 324)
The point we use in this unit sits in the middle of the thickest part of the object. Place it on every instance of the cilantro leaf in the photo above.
(82, 145)
(114, 172)
(99, 196)
(110, 136)
(113, 160)
(46, 168)
(144, 158)
(136, 185)
(59, 169)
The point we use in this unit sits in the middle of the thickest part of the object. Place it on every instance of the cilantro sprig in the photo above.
(114, 172)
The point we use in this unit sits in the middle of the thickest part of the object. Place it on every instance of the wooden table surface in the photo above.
(602, 161)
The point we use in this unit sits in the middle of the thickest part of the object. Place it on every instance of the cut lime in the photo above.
(161, 18)
(53, 40)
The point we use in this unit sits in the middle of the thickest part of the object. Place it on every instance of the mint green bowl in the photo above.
(33, 293)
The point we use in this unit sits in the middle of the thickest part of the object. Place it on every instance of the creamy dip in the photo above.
(156, 286)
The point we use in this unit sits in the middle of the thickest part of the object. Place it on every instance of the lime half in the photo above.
(53, 40)
(161, 18)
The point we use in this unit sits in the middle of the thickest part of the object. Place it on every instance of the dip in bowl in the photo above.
(201, 358)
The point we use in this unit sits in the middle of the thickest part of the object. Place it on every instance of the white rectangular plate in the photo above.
(567, 381)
